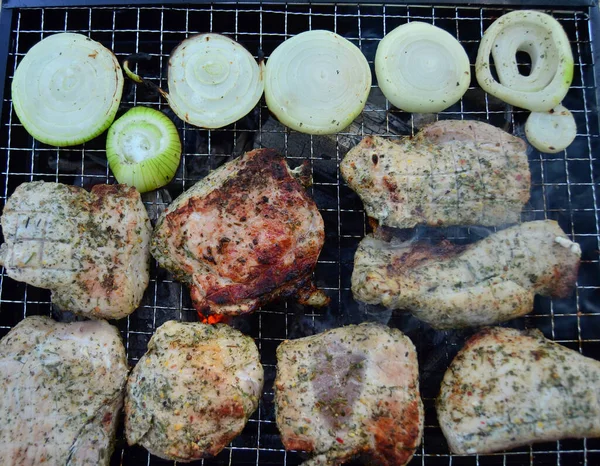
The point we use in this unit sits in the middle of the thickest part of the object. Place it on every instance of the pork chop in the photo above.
(508, 388)
(245, 235)
(452, 286)
(350, 392)
(450, 173)
(62, 388)
(92, 249)
(193, 391)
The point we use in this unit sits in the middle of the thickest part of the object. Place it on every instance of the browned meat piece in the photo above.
(62, 389)
(193, 391)
(92, 249)
(508, 388)
(246, 234)
(450, 286)
(350, 392)
(450, 173)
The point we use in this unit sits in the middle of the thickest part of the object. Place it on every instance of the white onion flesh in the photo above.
(552, 131)
(317, 82)
(143, 149)
(421, 68)
(213, 81)
(67, 89)
(545, 41)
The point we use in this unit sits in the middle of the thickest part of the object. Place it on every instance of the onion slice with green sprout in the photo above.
(67, 89)
(143, 149)
(421, 68)
(317, 82)
(541, 37)
(552, 131)
(213, 81)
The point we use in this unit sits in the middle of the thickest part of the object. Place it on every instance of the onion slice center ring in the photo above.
(545, 41)
(317, 82)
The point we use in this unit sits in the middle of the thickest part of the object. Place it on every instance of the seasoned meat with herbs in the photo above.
(193, 391)
(351, 392)
(62, 388)
(508, 388)
(453, 286)
(245, 235)
(92, 249)
(450, 173)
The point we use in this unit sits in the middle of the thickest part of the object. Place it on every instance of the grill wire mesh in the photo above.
(564, 188)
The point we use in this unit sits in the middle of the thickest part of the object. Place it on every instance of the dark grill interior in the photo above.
(565, 188)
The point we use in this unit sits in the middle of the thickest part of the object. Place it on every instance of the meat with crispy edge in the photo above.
(452, 286)
(450, 173)
(193, 391)
(62, 388)
(508, 388)
(92, 249)
(246, 234)
(350, 392)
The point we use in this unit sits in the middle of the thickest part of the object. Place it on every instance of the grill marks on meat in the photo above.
(92, 249)
(350, 392)
(193, 391)
(62, 388)
(450, 173)
(508, 388)
(448, 286)
(244, 235)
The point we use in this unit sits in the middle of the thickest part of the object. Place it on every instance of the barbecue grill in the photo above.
(565, 186)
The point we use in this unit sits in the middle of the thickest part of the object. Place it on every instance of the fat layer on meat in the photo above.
(193, 391)
(62, 388)
(349, 392)
(450, 173)
(92, 249)
(508, 388)
(244, 235)
(452, 286)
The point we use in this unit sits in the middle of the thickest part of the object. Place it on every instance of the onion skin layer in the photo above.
(550, 94)
(51, 109)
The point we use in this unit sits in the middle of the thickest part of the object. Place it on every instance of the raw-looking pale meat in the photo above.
(243, 236)
(508, 388)
(450, 173)
(62, 388)
(453, 286)
(193, 391)
(92, 249)
(350, 392)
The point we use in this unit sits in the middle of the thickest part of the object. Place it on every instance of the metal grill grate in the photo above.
(565, 188)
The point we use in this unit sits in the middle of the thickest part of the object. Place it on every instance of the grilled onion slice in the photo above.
(552, 131)
(317, 82)
(213, 81)
(545, 41)
(143, 149)
(67, 89)
(422, 68)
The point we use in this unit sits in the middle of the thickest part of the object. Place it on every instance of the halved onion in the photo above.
(545, 41)
(143, 149)
(213, 81)
(317, 82)
(552, 131)
(67, 89)
(421, 68)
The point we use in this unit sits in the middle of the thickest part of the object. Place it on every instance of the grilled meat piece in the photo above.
(92, 249)
(193, 391)
(450, 173)
(451, 286)
(350, 392)
(508, 388)
(246, 234)
(62, 387)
